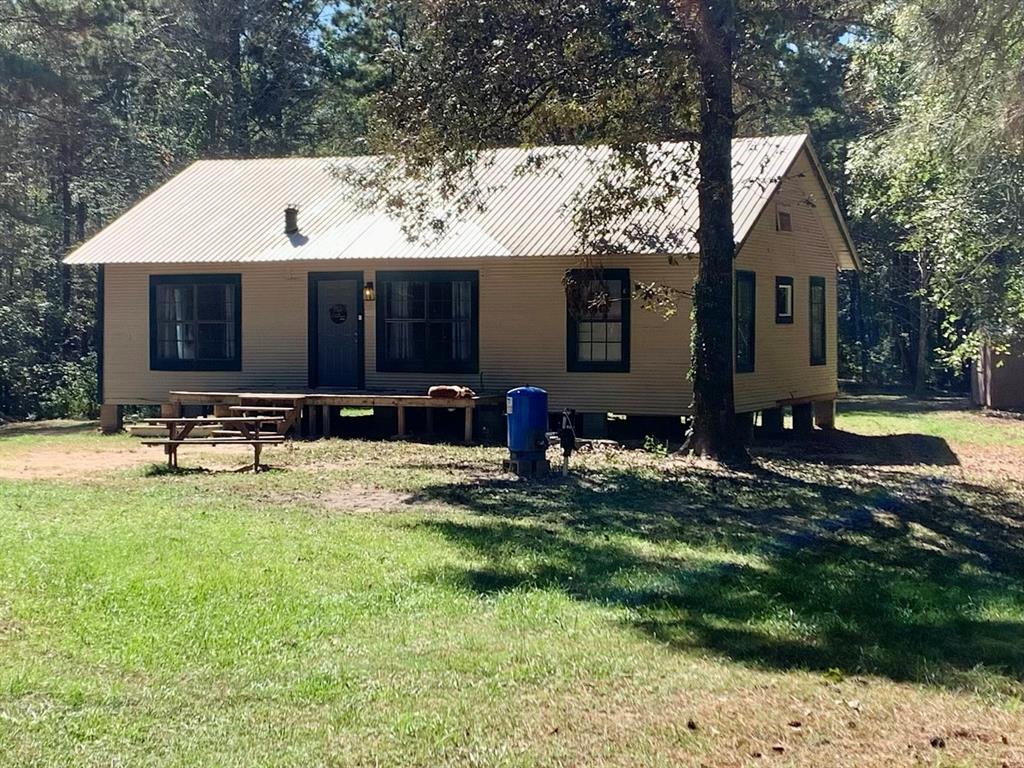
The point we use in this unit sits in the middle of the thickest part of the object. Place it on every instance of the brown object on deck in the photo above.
(450, 391)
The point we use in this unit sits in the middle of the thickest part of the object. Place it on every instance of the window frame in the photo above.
(385, 278)
(816, 282)
(780, 211)
(572, 362)
(785, 282)
(742, 275)
(157, 363)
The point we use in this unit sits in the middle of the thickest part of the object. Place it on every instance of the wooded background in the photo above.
(916, 107)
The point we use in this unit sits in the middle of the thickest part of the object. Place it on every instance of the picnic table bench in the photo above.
(249, 432)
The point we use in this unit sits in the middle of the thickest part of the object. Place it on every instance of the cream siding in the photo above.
(782, 367)
(522, 324)
(522, 335)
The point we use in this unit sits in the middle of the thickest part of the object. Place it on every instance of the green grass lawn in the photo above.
(379, 603)
(958, 426)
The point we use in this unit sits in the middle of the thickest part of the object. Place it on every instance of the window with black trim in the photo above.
(784, 300)
(195, 322)
(746, 313)
(818, 319)
(597, 320)
(428, 322)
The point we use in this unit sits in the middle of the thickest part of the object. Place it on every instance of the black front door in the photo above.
(336, 330)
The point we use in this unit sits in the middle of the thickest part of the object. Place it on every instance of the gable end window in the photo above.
(195, 322)
(784, 300)
(745, 322)
(597, 320)
(783, 220)
(818, 321)
(428, 322)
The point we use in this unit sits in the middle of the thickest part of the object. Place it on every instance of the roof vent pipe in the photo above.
(291, 220)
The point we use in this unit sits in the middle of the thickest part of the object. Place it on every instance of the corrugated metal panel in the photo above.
(232, 210)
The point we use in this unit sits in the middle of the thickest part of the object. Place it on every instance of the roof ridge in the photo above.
(532, 148)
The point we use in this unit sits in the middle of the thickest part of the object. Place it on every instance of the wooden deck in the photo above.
(311, 408)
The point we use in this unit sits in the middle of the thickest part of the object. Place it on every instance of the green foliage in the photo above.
(917, 109)
(74, 393)
(100, 102)
(656, 446)
(938, 183)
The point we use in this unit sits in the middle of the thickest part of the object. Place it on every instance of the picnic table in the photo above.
(249, 431)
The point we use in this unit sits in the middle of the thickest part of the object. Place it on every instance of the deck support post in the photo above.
(325, 421)
(171, 410)
(111, 419)
(772, 421)
(401, 421)
(803, 418)
(429, 415)
(468, 435)
(825, 414)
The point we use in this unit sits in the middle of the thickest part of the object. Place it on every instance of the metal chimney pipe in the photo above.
(291, 220)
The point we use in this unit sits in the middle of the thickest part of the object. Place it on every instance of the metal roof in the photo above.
(233, 210)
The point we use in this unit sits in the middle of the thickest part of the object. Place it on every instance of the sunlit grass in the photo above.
(381, 603)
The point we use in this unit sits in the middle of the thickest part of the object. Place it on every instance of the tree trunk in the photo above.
(226, 116)
(714, 430)
(922, 368)
(67, 217)
(859, 329)
(924, 323)
(233, 58)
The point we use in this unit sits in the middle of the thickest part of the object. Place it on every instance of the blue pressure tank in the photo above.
(527, 411)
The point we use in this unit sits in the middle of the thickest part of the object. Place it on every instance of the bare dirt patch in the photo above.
(863, 724)
(56, 462)
(361, 499)
(999, 463)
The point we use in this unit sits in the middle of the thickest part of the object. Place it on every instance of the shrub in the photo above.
(74, 394)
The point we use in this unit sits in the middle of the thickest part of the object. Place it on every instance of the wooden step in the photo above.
(237, 433)
(261, 408)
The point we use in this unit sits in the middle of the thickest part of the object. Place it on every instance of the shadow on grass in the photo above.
(47, 428)
(889, 404)
(840, 448)
(162, 470)
(805, 568)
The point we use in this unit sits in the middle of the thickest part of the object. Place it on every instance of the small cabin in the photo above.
(274, 275)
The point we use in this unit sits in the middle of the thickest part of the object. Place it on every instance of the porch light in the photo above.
(369, 294)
